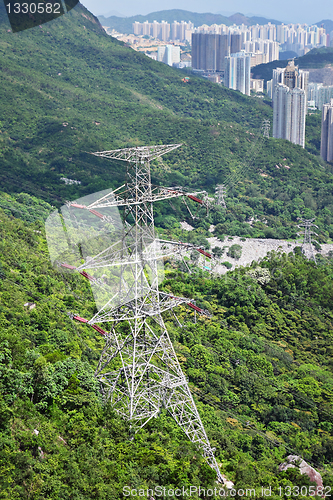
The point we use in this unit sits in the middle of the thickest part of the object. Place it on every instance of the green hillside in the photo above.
(260, 370)
(83, 91)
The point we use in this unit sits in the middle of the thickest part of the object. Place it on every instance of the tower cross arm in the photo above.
(158, 194)
(140, 153)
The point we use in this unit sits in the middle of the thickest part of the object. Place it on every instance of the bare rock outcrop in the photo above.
(304, 468)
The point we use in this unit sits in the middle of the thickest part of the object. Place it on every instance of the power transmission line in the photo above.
(235, 177)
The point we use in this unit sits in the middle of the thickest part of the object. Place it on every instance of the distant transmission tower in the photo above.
(307, 246)
(138, 370)
(220, 193)
(266, 126)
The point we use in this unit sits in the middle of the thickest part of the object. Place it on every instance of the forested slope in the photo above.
(68, 89)
(260, 369)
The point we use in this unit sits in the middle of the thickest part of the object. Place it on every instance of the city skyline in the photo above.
(292, 11)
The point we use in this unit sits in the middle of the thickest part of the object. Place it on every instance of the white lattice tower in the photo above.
(266, 126)
(220, 194)
(138, 370)
(307, 246)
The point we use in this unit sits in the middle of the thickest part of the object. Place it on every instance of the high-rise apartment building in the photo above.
(263, 51)
(298, 38)
(165, 31)
(209, 50)
(175, 30)
(270, 88)
(157, 30)
(289, 114)
(290, 103)
(169, 54)
(290, 76)
(257, 85)
(146, 28)
(320, 94)
(237, 74)
(137, 28)
(178, 30)
(326, 146)
(234, 40)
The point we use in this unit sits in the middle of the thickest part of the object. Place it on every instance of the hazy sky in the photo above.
(303, 11)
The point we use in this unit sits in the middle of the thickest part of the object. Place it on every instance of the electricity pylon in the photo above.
(265, 127)
(220, 193)
(307, 246)
(138, 370)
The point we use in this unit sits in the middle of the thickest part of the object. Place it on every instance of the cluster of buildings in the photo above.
(222, 55)
(289, 89)
(319, 94)
(259, 41)
(227, 54)
(177, 31)
(301, 38)
(263, 42)
(230, 51)
(209, 51)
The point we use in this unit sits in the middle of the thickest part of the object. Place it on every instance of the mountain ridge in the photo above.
(327, 24)
(164, 15)
(124, 24)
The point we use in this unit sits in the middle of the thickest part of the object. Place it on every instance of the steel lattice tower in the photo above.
(307, 246)
(234, 177)
(220, 193)
(138, 370)
(266, 126)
